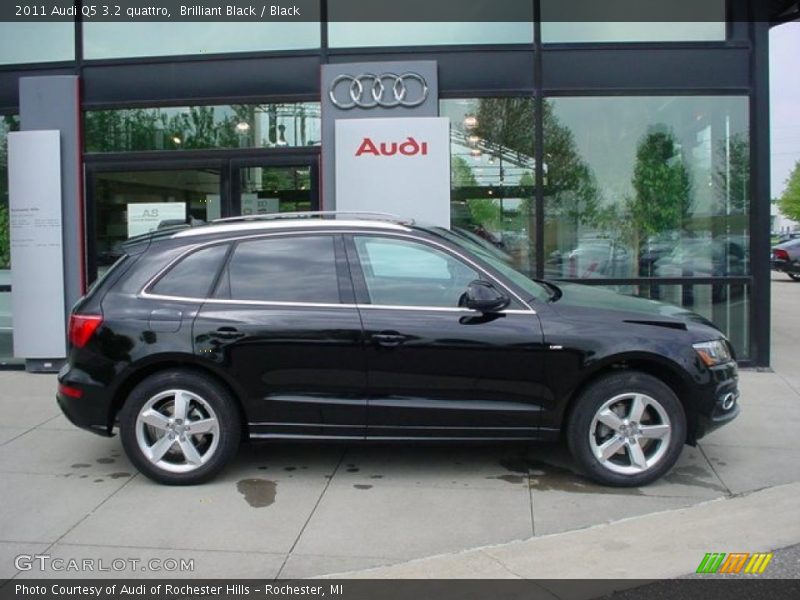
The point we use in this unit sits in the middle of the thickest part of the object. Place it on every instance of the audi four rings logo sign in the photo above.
(387, 91)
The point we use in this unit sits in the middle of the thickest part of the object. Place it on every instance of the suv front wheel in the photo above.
(180, 427)
(626, 429)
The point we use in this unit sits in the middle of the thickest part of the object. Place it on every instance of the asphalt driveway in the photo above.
(289, 511)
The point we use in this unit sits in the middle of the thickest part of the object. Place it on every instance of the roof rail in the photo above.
(319, 214)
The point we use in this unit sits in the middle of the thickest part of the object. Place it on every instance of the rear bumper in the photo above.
(92, 410)
(785, 266)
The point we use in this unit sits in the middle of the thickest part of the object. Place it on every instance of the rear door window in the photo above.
(284, 270)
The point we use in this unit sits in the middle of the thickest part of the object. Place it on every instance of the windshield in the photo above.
(497, 259)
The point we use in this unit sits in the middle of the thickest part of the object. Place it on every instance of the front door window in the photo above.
(404, 273)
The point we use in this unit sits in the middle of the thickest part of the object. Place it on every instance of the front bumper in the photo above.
(720, 404)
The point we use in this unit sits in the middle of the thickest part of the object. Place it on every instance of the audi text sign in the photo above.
(372, 90)
(395, 165)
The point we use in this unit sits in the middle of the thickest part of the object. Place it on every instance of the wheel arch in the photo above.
(663, 369)
(160, 363)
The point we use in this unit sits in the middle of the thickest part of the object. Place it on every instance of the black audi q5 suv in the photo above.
(336, 327)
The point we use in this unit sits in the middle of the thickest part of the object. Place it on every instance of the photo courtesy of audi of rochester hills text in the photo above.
(405, 299)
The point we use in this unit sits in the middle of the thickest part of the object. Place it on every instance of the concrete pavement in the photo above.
(305, 510)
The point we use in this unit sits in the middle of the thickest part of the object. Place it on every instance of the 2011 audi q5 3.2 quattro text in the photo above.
(352, 327)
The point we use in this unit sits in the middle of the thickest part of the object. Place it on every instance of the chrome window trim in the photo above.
(145, 293)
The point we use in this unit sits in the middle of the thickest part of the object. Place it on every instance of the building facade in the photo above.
(629, 156)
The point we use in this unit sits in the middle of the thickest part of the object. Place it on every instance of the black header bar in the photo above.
(365, 10)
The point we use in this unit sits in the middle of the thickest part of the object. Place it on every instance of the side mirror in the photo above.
(484, 297)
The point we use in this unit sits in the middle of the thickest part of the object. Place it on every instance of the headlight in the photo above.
(713, 353)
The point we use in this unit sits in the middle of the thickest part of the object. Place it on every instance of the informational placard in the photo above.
(37, 274)
(149, 216)
(253, 205)
(398, 165)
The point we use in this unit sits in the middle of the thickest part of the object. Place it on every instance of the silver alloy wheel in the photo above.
(630, 433)
(177, 431)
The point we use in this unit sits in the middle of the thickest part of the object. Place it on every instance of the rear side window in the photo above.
(283, 269)
(193, 275)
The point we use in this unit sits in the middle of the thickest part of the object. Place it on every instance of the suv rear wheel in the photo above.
(627, 429)
(180, 427)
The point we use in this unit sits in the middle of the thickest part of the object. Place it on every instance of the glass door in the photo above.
(270, 186)
(126, 198)
(125, 202)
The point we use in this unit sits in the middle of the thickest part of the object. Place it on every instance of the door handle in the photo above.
(228, 333)
(388, 339)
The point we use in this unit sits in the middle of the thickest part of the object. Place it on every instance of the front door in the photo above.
(434, 369)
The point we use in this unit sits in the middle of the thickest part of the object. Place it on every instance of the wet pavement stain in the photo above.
(360, 486)
(693, 475)
(80, 466)
(510, 478)
(105, 461)
(544, 477)
(258, 493)
(119, 475)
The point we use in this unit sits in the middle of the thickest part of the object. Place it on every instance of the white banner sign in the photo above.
(37, 272)
(398, 165)
(149, 216)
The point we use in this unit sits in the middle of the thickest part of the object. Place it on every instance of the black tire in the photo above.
(586, 433)
(794, 276)
(210, 410)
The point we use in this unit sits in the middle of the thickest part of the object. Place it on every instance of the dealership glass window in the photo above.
(130, 203)
(646, 187)
(492, 174)
(282, 269)
(203, 127)
(47, 41)
(726, 305)
(7, 123)
(266, 189)
(103, 40)
(369, 35)
(554, 32)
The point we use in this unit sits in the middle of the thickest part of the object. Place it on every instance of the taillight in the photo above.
(82, 327)
(69, 391)
(780, 254)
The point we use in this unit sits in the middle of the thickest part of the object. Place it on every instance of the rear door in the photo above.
(283, 323)
(434, 369)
